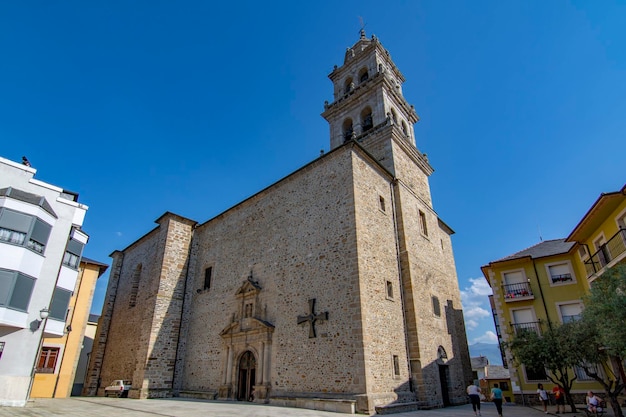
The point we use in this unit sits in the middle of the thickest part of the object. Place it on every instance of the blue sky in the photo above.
(144, 107)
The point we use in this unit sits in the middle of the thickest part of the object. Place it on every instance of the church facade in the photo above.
(334, 288)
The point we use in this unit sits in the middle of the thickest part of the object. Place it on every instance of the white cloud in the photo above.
(479, 288)
(476, 303)
(487, 337)
(118, 234)
(471, 324)
(476, 294)
(476, 312)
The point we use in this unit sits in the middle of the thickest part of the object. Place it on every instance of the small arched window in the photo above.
(442, 356)
(363, 75)
(405, 129)
(366, 119)
(436, 306)
(348, 86)
(394, 116)
(347, 130)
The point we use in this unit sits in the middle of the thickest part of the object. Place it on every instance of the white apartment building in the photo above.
(41, 245)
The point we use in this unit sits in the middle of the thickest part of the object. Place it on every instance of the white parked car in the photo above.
(119, 388)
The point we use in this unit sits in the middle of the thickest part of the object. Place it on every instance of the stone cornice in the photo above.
(385, 130)
(338, 72)
(377, 80)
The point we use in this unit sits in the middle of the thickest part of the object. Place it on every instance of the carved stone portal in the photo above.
(248, 343)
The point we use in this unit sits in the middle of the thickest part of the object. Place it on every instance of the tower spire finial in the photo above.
(362, 30)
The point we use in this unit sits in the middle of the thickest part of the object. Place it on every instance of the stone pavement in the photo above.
(177, 407)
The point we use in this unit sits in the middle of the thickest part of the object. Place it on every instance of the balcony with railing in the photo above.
(533, 326)
(517, 291)
(613, 250)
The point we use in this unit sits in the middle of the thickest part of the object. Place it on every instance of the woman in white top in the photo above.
(543, 397)
(474, 393)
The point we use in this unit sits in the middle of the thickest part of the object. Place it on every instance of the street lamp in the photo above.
(44, 313)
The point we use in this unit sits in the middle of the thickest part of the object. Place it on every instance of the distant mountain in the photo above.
(490, 350)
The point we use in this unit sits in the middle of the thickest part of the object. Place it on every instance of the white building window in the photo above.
(15, 289)
(560, 273)
(570, 312)
(515, 285)
(60, 303)
(524, 320)
(621, 220)
(621, 224)
(73, 252)
(582, 375)
(23, 229)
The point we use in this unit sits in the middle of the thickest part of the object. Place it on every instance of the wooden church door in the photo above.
(247, 377)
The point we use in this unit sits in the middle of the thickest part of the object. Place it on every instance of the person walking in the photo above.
(543, 397)
(497, 398)
(474, 394)
(559, 398)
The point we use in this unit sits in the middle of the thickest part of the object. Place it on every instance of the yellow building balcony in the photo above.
(533, 326)
(608, 254)
(517, 292)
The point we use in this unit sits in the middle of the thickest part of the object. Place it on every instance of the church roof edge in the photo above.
(176, 216)
(306, 166)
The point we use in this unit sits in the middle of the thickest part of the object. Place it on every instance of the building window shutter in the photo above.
(21, 292)
(60, 301)
(15, 221)
(6, 285)
(75, 247)
(41, 232)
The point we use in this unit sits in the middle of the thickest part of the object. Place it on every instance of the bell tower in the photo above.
(369, 107)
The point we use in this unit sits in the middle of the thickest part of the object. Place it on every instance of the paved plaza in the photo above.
(176, 407)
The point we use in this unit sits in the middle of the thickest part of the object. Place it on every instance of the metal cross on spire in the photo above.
(362, 30)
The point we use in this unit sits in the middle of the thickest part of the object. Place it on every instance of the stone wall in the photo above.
(296, 239)
(162, 340)
(429, 271)
(140, 326)
(382, 308)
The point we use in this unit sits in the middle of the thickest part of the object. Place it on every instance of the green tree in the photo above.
(558, 349)
(604, 319)
(605, 309)
(599, 364)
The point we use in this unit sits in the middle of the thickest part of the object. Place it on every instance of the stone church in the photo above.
(334, 288)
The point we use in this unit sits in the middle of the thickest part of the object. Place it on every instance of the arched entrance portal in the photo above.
(444, 375)
(247, 377)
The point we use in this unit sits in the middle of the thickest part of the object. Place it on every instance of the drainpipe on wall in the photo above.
(543, 300)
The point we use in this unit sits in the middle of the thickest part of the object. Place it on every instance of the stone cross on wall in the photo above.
(312, 318)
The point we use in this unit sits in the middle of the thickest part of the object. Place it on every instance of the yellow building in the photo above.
(59, 356)
(532, 289)
(544, 284)
(601, 234)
